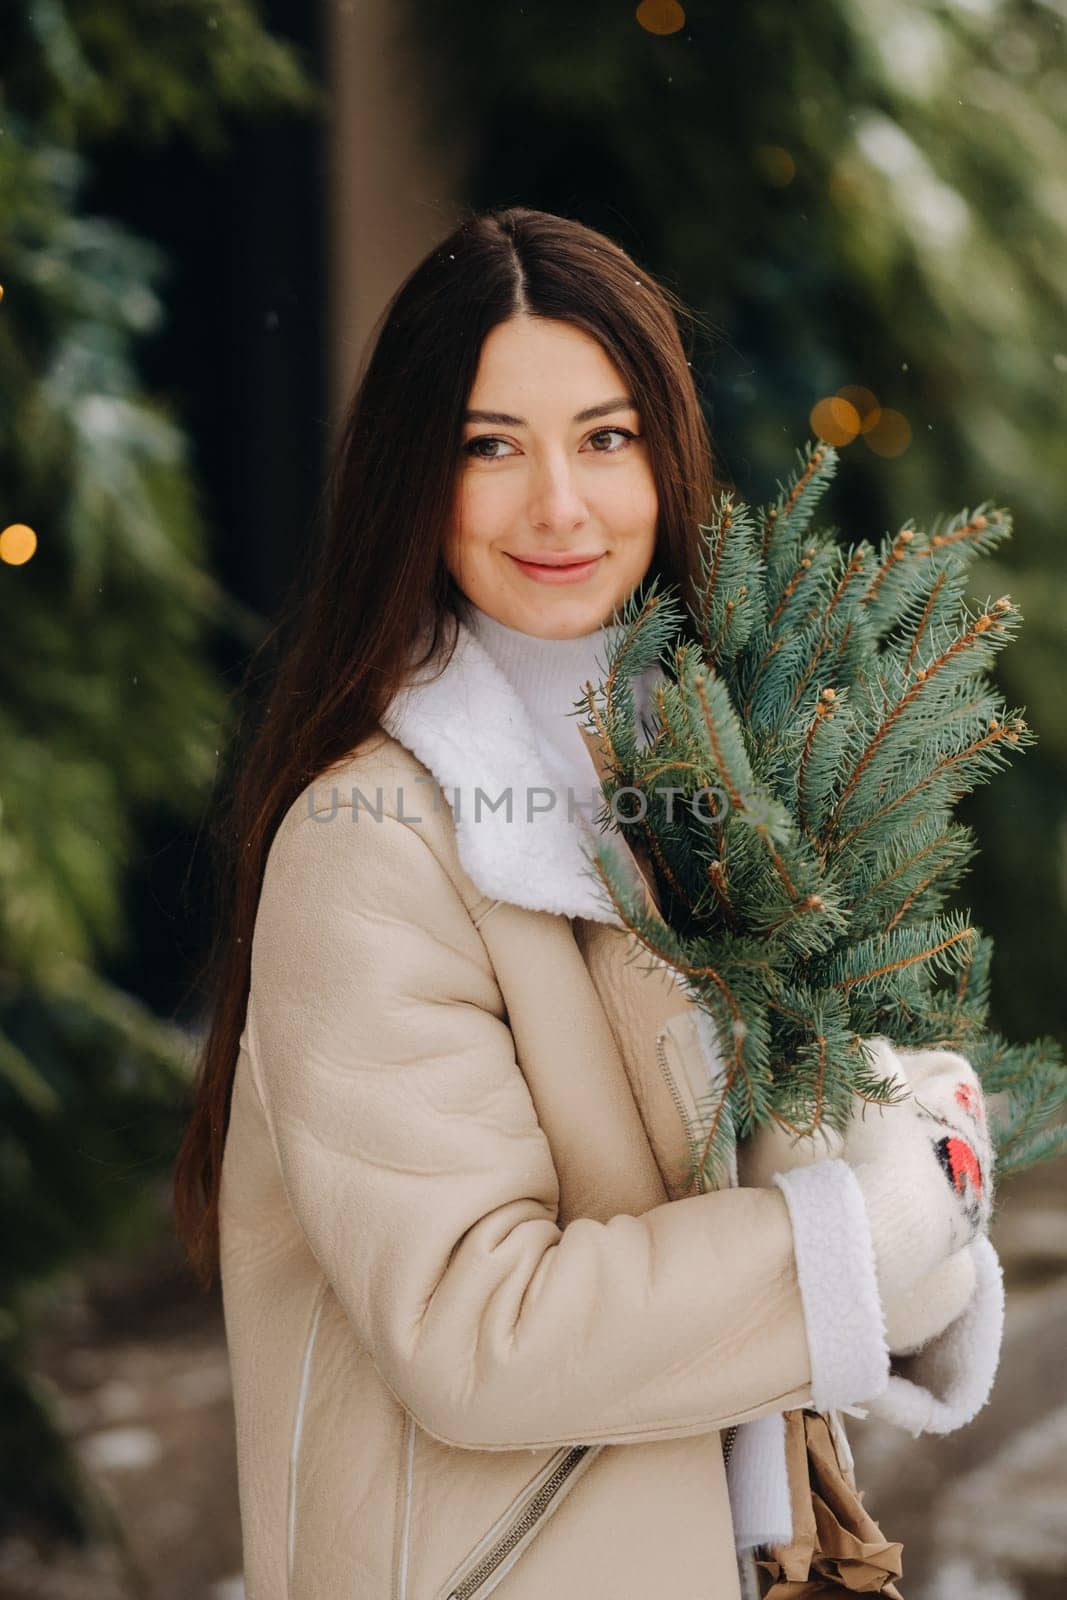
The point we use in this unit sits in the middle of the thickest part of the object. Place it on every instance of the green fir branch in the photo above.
(838, 705)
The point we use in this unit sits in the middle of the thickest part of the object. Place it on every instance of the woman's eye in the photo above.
(624, 434)
(481, 449)
(471, 448)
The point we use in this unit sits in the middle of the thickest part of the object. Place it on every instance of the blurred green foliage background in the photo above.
(112, 709)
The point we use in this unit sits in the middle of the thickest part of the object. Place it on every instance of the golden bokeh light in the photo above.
(849, 184)
(834, 421)
(865, 403)
(890, 435)
(17, 544)
(776, 164)
(660, 16)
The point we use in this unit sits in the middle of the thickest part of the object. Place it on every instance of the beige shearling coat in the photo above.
(481, 1339)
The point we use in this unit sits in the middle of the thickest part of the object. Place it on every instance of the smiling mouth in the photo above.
(556, 573)
(561, 561)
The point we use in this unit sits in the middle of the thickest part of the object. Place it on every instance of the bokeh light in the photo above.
(849, 183)
(834, 420)
(865, 402)
(17, 544)
(775, 164)
(890, 435)
(853, 413)
(660, 16)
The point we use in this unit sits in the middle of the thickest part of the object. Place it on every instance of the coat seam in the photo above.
(490, 908)
(405, 1481)
(296, 1436)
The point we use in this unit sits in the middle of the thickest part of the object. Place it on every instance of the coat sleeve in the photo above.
(413, 1161)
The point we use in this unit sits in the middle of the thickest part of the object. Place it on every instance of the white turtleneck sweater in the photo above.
(549, 676)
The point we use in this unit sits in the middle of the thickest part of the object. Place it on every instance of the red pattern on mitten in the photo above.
(946, 1089)
(961, 1165)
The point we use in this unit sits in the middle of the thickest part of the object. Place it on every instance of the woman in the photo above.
(482, 1339)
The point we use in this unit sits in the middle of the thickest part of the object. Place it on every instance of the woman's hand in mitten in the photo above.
(915, 1316)
(924, 1166)
(774, 1148)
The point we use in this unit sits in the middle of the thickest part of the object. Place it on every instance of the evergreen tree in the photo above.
(823, 708)
(110, 704)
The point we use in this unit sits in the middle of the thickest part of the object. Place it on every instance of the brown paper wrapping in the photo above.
(837, 1548)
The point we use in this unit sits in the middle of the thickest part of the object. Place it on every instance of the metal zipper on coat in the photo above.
(676, 1096)
(526, 1519)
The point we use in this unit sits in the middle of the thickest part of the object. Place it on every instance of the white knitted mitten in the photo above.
(919, 1314)
(925, 1169)
(944, 1118)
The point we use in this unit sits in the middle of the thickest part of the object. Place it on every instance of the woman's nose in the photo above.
(555, 500)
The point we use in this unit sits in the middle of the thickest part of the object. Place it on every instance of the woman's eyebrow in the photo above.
(604, 409)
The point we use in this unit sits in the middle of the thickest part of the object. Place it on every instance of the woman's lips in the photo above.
(570, 574)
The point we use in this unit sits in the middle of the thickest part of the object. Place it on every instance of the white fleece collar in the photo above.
(470, 728)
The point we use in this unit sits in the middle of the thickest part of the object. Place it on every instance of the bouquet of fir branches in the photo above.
(821, 709)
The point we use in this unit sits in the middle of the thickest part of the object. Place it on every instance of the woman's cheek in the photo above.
(637, 501)
(484, 507)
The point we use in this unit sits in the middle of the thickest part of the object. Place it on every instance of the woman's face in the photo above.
(541, 480)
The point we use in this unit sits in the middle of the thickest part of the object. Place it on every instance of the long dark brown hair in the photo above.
(346, 635)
